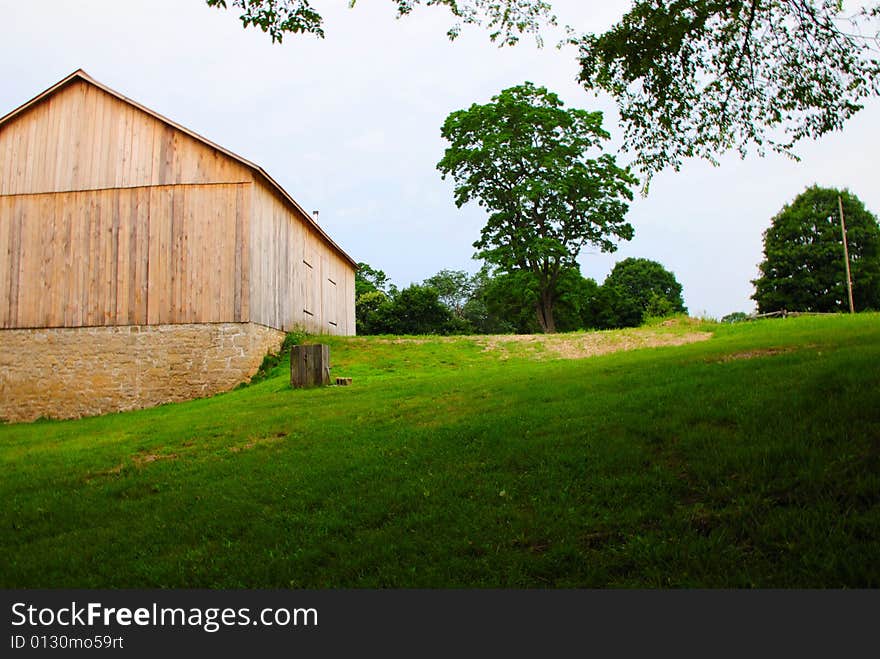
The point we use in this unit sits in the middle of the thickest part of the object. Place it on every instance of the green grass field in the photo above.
(751, 459)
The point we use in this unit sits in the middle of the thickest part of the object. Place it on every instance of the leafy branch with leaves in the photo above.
(506, 20)
(691, 78)
(697, 78)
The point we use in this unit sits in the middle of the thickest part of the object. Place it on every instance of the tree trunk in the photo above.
(309, 366)
(545, 313)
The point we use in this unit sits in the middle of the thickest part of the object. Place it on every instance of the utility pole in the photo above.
(852, 308)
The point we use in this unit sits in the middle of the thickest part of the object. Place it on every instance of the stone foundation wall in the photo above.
(72, 372)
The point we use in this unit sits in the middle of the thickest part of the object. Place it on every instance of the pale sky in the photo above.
(350, 125)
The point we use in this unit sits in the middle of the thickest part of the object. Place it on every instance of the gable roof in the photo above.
(258, 171)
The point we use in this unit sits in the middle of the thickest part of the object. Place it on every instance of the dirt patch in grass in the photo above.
(113, 471)
(600, 539)
(147, 458)
(139, 460)
(417, 340)
(572, 345)
(752, 354)
(591, 344)
(254, 442)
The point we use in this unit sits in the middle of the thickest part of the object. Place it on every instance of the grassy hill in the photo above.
(748, 459)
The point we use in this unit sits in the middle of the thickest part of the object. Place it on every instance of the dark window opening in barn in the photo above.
(309, 298)
(330, 302)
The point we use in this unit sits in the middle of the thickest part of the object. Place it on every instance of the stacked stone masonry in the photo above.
(74, 372)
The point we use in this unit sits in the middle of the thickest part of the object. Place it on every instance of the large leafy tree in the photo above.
(692, 78)
(634, 290)
(804, 268)
(524, 158)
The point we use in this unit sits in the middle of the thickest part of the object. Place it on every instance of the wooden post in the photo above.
(310, 366)
(852, 308)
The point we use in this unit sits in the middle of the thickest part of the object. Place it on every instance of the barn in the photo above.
(141, 263)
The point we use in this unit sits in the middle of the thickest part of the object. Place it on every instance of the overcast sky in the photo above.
(350, 126)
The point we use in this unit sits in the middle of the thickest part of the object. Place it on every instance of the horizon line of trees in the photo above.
(803, 270)
(495, 302)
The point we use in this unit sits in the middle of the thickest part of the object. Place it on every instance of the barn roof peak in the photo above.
(80, 74)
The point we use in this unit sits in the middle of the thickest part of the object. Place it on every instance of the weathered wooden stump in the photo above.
(310, 366)
(343, 382)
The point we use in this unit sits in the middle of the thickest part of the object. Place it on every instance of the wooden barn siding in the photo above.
(296, 279)
(149, 225)
(133, 256)
(82, 138)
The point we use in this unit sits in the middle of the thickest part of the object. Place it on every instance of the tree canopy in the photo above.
(804, 268)
(524, 158)
(368, 279)
(692, 78)
(636, 289)
(454, 289)
(412, 310)
(505, 302)
(497, 302)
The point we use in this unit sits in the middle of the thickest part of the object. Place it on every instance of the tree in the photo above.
(803, 267)
(523, 157)
(480, 311)
(504, 303)
(412, 310)
(635, 290)
(367, 279)
(371, 290)
(510, 298)
(575, 294)
(692, 78)
(380, 308)
(610, 308)
(366, 308)
(454, 288)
